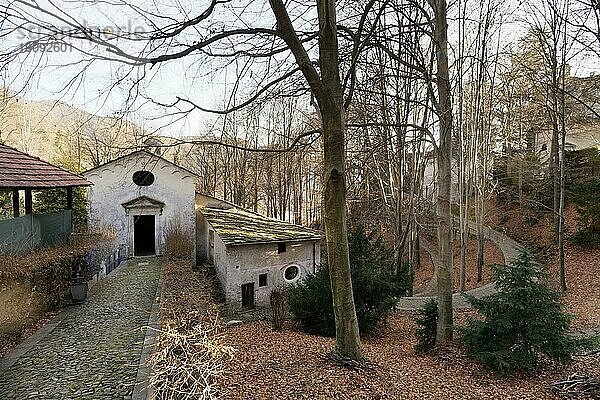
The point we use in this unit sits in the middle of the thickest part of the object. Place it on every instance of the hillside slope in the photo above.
(58, 132)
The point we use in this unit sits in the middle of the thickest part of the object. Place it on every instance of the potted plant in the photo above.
(79, 286)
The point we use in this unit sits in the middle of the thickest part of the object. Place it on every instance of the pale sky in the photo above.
(192, 78)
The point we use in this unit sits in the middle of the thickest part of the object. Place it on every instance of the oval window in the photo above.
(143, 178)
(291, 273)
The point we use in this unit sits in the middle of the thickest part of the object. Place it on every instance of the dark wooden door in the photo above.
(248, 295)
(143, 235)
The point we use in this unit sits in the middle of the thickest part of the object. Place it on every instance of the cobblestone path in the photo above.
(94, 351)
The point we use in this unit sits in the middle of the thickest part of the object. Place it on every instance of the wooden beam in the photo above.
(28, 202)
(69, 198)
(15, 199)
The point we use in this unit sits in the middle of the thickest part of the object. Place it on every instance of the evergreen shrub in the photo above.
(377, 283)
(426, 326)
(522, 322)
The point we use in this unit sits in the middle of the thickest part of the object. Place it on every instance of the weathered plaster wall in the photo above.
(202, 226)
(246, 262)
(201, 236)
(221, 262)
(113, 186)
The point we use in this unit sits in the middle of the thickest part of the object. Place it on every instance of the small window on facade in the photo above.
(280, 247)
(291, 273)
(143, 178)
(262, 280)
(544, 147)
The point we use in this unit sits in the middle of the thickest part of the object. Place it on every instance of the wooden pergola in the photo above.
(20, 171)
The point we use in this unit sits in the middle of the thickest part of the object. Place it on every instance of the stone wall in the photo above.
(244, 264)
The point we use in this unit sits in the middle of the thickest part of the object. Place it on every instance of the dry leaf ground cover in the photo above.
(492, 255)
(292, 365)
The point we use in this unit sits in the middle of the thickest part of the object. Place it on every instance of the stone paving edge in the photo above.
(142, 389)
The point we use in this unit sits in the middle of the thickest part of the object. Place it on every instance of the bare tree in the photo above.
(171, 39)
(549, 27)
(444, 159)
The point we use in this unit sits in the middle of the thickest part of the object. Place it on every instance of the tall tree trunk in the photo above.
(444, 157)
(561, 165)
(462, 180)
(332, 112)
(561, 212)
(328, 92)
(555, 170)
(480, 243)
(346, 323)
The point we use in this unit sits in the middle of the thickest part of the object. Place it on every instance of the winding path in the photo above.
(92, 350)
(510, 250)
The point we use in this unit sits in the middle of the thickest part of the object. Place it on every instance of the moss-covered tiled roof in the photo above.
(236, 226)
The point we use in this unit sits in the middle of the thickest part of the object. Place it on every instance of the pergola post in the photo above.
(69, 198)
(15, 199)
(28, 202)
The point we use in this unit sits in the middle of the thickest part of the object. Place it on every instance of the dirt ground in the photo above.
(492, 255)
(292, 365)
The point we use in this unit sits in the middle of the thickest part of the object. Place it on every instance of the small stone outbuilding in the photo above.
(251, 253)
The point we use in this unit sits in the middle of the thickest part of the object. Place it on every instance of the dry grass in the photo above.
(178, 241)
(186, 364)
(190, 349)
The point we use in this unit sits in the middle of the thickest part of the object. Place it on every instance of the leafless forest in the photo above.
(407, 116)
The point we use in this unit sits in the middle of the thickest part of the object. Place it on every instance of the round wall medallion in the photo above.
(143, 178)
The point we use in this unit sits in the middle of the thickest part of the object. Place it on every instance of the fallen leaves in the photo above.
(190, 351)
(293, 365)
(492, 255)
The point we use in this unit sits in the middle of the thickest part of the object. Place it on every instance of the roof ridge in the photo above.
(143, 150)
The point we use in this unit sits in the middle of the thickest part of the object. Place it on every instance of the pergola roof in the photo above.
(237, 226)
(22, 171)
